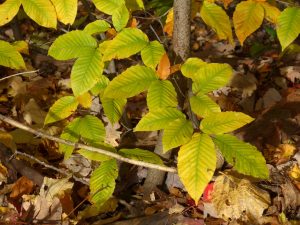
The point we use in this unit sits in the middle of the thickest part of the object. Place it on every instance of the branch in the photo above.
(18, 74)
(90, 148)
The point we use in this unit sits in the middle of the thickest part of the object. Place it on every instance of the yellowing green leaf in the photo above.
(191, 66)
(113, 108)
(224, 122)
(158, 119)
(177, 133)
(85, 100)
(8, 10)
(247, 18)
(134, 5)
(73, 45)
(41, 11)
(288, 26)
(102, 182)
(161, 94)
(21, 46)
(244, 157)
(95, 156)
(86, 71)
(214, 16)
(10, 57)
(211, 77)
(271, 12)
(152, 54)
(203, 105)
(128, 42)
(98, 26)
(141, 155)
(196, 164)
(61, 109)
(131, 82)
(120, 17)
(100, 86)
(66, 10)
(108, 6)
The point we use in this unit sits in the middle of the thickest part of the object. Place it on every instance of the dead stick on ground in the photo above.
(89, 148)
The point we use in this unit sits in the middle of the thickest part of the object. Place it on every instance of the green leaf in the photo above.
(247, 18)
(203, 105)
(224, 122)
(113, 108)
(177, 133)
(100, 86)
(41, 11)
(158, 119)
(70, 133)
(152, 54)
(120, 17)
(92, 130)
(96, 27)
(102, 182)
(134, 5)
(86, 71)
(244, 157)
(161, 94)
(128, 42)
(196, 164)
(214, 16)
(191, 66)
(8, 10)
(61, 109)
(108, 6)
(72, 45)
(10, 57)
(95, 156)
(211, 77)
(141, 155)
(66, 10)
(131, 82)
(288, 27)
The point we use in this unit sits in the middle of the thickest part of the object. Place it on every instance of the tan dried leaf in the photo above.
(22, 186)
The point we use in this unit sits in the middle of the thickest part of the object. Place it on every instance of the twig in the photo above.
(89, 148)
(17, 74)
(51, 167)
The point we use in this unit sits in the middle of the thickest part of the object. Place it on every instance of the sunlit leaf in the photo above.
(196, 164)
(224, 122)
(85, 100)
(203, 105)
(152, 54)
(128, 42)
(247, 18)
(41, 11)
(108, 6)
(10, 57)
(8, 10)
(92, 130)
(66, 10)
(177, 133)
(134, 5)
(169, 25)
(113, 108)
(245, 158)
(159, 119)
(132, 81)
(73, 45)
(164, 67)
(95, 156)
(161, 94)
(102, 182)
(288, 26)
(100, 86)
(98, 26)
(21, 46)
(61, 109)
(271, 12)
(191, 66)
(141, 155)
(214, 16)
(120, 17)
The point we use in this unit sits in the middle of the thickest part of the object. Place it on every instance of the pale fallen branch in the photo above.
(18, 74)
(83, 146)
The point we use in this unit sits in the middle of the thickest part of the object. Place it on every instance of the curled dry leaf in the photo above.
(238, 199)
(164, 67)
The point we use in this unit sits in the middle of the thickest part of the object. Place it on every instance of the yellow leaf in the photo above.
(247, 18)
(8, 10)
(168, 28)
(21, 46)
(41, 11)
(271, 12)
(163, 68)
(7, 140)
(226, 3)
(85, 100)
(66, 10)
(295, 172)
(214, 16)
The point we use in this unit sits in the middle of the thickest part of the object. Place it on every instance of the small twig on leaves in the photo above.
(18, 74)
(89, 148)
